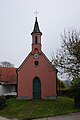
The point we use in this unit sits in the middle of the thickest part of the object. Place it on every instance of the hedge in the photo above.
(64, 92)
(2, 102)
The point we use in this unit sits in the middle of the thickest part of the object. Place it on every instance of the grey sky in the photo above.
(17, 20)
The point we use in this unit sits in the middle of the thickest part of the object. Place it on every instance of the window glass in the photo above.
(36, 63)
(36, 39)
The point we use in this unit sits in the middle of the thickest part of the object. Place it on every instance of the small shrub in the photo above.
(2, 102)
(64, 92)
(10, 96)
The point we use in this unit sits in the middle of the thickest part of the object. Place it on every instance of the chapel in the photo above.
(36, 78)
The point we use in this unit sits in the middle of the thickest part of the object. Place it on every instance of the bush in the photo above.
(75, 91)
(2, 102)
(64, 92)
(10, 96)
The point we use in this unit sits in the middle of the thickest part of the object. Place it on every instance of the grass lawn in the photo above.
(35, 109)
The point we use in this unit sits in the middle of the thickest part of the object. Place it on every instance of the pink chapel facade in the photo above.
(36, 77)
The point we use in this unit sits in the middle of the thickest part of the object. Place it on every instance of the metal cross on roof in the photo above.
(36, 12)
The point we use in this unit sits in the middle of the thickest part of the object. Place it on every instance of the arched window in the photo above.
(36, 40)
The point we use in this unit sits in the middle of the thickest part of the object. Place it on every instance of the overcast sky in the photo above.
(17, 20)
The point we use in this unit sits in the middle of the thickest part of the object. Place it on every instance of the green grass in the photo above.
(36, 109)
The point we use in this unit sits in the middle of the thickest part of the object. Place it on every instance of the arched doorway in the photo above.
(36, 88)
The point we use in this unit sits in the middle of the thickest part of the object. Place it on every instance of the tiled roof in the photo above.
(8, 75)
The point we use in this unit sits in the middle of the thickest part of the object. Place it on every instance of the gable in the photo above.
(48, 62)
(24, 62)
(28, 63)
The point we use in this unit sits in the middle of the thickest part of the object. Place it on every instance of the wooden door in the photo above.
(36, 88)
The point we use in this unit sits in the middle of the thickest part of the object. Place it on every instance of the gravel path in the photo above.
(3, 118)
(72, 116)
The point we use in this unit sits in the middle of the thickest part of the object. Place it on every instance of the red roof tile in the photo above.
(8, 75)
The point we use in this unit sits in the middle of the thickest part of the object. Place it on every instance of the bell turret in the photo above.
(36, 37)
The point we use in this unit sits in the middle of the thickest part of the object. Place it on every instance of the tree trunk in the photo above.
(77, 101)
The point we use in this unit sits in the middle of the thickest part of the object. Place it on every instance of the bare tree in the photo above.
(67, 58)
(68, 61)
(6, 64)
